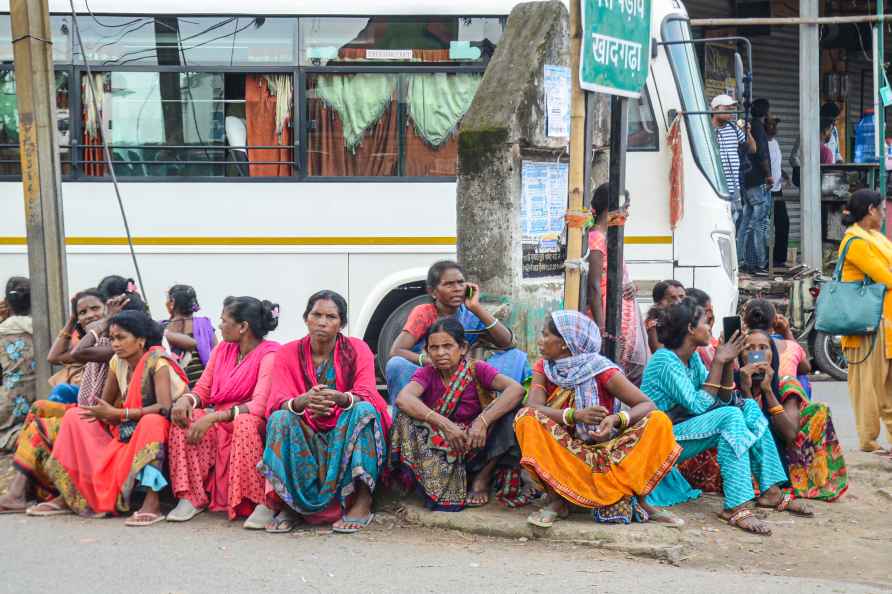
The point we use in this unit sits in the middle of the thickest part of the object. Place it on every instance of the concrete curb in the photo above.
(641, 540)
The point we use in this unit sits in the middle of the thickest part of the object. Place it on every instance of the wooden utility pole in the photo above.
(41, 175)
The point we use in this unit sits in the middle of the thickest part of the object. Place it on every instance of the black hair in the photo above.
(185, 301)
(826, 124)
(661, 287)
(450, 326)
(830, 110)
(859, 205)
(114, 285)
(135, 303)
(760, 108)
(552, 327)
(262, 316)
(435, 273)
(601, 199)
(81, 295)
(327, 295)
(674, 322)
(140, 325)
(18, 295)
(701, 297)
(759, 314)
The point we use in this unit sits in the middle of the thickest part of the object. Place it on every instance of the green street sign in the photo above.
(615, 46)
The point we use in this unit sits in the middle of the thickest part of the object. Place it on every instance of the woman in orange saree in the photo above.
(104, 451)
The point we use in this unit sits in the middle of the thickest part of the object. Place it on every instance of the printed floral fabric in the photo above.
(18, 389)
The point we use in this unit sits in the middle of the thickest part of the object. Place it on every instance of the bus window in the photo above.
(61, 30)
(10, 159)
(642, 125)
(431, 39)
(187, 41)
(189, 124)
(372, 124)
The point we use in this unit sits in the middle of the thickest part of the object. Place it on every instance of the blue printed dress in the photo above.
(740, 434)
(17, 378)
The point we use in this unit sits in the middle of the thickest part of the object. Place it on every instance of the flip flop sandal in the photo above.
(46, 509)
(282, 524)
(361, 522)
(736, 520)
(259, 518)
(545, 518)
(183, 512)
(784, 505)
(137, 521)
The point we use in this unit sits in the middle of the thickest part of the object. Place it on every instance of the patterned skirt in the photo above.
(310, 470)
(35, 444)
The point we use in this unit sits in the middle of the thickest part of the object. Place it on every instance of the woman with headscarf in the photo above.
(573, 442)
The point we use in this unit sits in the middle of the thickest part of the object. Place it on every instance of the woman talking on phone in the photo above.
(454, 297)
(802, 430)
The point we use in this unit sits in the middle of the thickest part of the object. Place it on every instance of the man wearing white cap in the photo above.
(731, 140)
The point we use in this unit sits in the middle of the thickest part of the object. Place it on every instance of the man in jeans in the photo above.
(731, 142)
(752, 239)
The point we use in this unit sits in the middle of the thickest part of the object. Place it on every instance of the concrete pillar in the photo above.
(809, 130)
(505, 126)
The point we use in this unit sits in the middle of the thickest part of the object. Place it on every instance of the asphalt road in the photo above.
(836, 394)
(75, 555)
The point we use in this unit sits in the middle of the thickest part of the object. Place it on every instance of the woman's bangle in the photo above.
(64, 334)
(195, 401)
(712, 385)
(125, 415)
(235, 413)
(624, 420)
(428, 415)
(730, 388)
(482, 417)
(776, 410)
(352, 400)
(421, 359)
(95, 335)
(290, 406)
(568, 416)
(491, 325)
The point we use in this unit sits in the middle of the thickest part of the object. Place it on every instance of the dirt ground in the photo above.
(850, 540)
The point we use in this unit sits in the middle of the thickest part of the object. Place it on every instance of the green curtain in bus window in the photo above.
(9, 113)
(359, 100)
(437, 103)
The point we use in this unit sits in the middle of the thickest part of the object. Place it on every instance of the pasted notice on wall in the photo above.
(557, 101)
(543, 207)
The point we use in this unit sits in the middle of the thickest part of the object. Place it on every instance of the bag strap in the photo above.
(873, 344)
(837, 272)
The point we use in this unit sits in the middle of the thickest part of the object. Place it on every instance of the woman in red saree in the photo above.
(103, 451)
(216, 439)
(326, 439)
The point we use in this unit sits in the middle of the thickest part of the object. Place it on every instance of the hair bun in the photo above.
(270, 315)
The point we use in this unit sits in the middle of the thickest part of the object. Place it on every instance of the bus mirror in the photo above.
(739, 77)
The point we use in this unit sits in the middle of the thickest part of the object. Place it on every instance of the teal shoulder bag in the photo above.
(849, 309)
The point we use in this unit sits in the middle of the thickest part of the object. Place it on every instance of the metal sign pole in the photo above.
(619, 137)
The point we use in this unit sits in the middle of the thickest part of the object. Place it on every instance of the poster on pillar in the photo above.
(542, 211)
(615, 49)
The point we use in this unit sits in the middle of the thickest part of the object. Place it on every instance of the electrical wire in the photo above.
(107, 154)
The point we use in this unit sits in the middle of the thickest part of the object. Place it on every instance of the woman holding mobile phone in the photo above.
(452, 296)
(802, 430)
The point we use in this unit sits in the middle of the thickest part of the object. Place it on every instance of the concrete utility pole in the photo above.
(41, 175)
(809, 132)
(578, 154)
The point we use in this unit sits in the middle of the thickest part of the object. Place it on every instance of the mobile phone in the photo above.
(469, 292)
(730, 325)
(756, 357)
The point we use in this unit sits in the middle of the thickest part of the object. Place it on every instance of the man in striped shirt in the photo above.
(731, 140)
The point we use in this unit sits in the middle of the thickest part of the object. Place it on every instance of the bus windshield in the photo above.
(690, 88)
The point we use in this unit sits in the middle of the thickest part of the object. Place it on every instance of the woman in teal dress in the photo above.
(706, 414)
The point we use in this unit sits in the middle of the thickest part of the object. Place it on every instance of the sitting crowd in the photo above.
(284, 434)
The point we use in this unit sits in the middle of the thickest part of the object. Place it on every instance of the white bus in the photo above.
(274, 148)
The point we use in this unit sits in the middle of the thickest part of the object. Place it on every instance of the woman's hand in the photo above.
(728, 351)
(455, 435)
(199, 428)
(473, 302)
(592, 415)
(101, 411)
(318, 403)
(339, 398)
(630, 291)
(477, 434)
(605, 429)
(115, 305)
(181, 413)
(746, 378)
(767, 387)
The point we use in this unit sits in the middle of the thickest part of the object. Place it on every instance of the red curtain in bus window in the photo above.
(422, 159)
(268, 125)
(424, 55)
(94, 155)
(327, 152)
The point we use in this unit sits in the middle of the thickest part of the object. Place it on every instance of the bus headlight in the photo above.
(726, 250)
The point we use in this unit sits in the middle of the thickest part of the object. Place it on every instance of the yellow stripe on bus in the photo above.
(260, 241)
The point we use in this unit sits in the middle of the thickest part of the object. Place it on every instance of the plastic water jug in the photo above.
(865, 150)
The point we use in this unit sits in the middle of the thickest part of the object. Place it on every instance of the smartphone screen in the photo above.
(756, 357)
(730, 325)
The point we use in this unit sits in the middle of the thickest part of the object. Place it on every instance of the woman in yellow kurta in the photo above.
(573, 443)
(870, 382)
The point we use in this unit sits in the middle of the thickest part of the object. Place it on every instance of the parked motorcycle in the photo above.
(824, 349)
